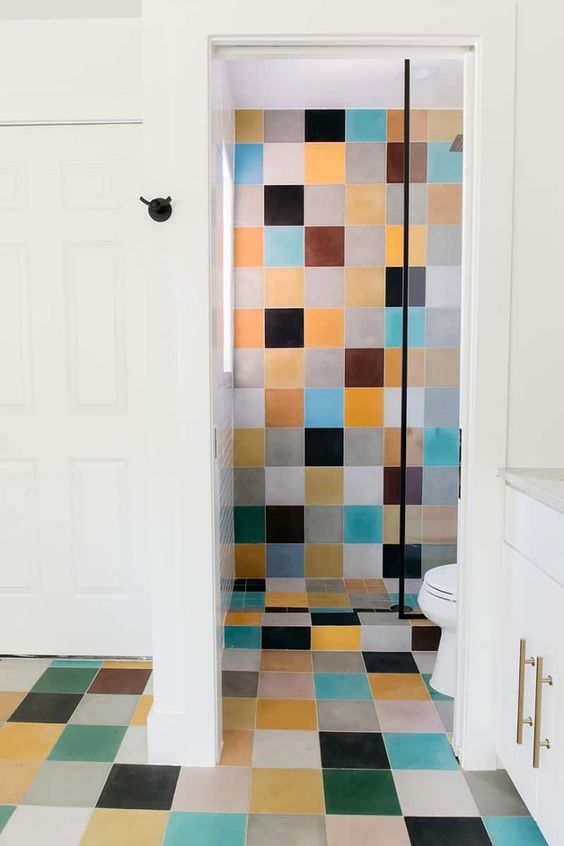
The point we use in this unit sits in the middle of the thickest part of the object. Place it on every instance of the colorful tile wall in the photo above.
(317, 367)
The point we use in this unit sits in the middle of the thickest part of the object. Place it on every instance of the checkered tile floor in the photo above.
(322, 747)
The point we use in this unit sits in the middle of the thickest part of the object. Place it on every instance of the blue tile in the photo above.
(284, 246)
(366, 125)
(440, 447)
(205, 829)
(416, 327)
(442, 165)
(285, 560)
(434, 694)
(363, 523)
(411, 751)
(324, 407)
(514, 831)
(64, 662)
(410, 599)
(342, 686)
(393, 326)
(242, 637)
(248, 164)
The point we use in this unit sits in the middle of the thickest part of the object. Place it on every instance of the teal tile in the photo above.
(65, 680)
(393, 326)
(442, 165)
(514, 831)
(68, 662)
(284, 246)
(366, 124)
(6, 812)
(440, 446)
(412, 751)
(193, 829)
(416, 327)
(362, 523)
(248, 164)
(88, 743)
(242, 637)
(330, 610)
(434, 694)
(360, 792)
(332, 686)
(249, 523)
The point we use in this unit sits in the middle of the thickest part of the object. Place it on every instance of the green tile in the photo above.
(6, 812)
(88, 743)
(434, 694)
(249, 524)
(370, 792)
(65, 680)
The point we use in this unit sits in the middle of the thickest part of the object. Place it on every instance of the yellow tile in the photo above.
(127, 665)
(237, 748)
(417, 245)
(250, 560)
(325, 163)
(141, 711)
(8, 703)
(286, 792)
(15, 778)
(28, 741)
(239, 713)
(365, 204)
(364, 407)
(248, 447)
(249, 125)
(324, 485)
(284, 287)
(277, 599)
(318, 600)
(444, 124)
(284, 368)
(109, 827)
(391, 524)
(323, 560)
(335, 637)
(243, 618)
(398, 686)
(365, 287)
(280, 661)
(339, 600)
(291, 714)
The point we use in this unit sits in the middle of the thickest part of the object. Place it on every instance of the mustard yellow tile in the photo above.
(324, 163)
(277, 599)
(397, 686)
(28, 741)
(15, 778)
(390, 529)
(364, 407)
(444, 124)
(284, 368)
(365, 287)
(127, 665)
(248, 447)
(284, 287)
(109, 827)
(417, 245)
(237, 748)
(249, 125)
(318, 600)
(323, 560)
(239, 713)
(286, 792)
(289, 714)
(324, 485)
(9, 701)
(243, 618)
(142, 711)
(365, 204)
(250, 560)
(335, 637)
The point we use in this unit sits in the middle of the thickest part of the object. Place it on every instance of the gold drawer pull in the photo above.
(537, 742)
(523, 660)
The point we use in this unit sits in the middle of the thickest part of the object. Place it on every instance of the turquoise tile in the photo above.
(411, 751)
(249, 523)
(6, 812)
(410, 599)
(434, 694)
(88, 743)
(442, 165)
(248, 164)
(440, 447)
(362, 523)
(324, 407)
(514, 831)
(193, 829)
(242, 637)
(416, 327)
(342, 686)
(284, 246)
(366, 124)
(64, 662)
(254, 600)
(393, 326)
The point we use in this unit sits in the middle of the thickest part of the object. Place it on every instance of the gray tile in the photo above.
(366, 162)
(381, 616)
(249, 205)
(285, 485)
(21, 673)
(323, 524)
(494, 794)
(365, 246)
(417, 286)
(286, 584)
(417, 203)
(248, 287)
(324, 368)
(287, 619)
(444, 245)
(338, 662)
(248, 408)
(446, 713)
(425, 661)
(394, 204)
(293, 749)
(391, 638)
(434, 794)
(284, 447)
(347, 716)
(442, 406)
(133, 749)
(324, 287)
(442, 327)
(239, 683)
(283, 125)
(364, 328)
(241, 659)
(248, 368)
(444, 286)
(277, 830)
(67, 783)
(105, 709)
(435, 555)
(440, 485)
(248, 486)
(362, 560)
(364, 446)
(363, 485)
(324, 205)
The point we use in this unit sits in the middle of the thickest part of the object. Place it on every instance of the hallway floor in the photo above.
(325, 746)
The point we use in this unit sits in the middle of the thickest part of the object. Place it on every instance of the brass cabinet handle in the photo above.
(537, 742)
(523, 661)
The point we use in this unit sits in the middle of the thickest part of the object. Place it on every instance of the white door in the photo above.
(74, 575)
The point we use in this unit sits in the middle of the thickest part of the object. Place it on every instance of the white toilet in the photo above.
(437, 600)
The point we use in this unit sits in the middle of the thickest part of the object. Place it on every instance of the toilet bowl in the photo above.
(437, 600)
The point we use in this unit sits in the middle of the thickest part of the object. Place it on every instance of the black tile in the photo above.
(447, 831)
(390, 566)
(141, 786)
(284, 523)
(394, 292)
(46, 708)
(283, 205)
(284, 327)
(256, 584)
(325, 125)
(277, 610)
(417, 286)
(425, 638)
(240, 683)
(324, 447)
(286, 637)
(334, 618)
(353, 750)
(389, 662)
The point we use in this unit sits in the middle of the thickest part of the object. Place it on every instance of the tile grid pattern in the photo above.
(318, 282)
(322, 748)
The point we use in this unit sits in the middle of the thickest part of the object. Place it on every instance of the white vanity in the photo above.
(531, 644)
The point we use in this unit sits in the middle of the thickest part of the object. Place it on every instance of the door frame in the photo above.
(183, 728)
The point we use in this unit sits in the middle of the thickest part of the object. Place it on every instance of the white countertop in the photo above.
(543, 484)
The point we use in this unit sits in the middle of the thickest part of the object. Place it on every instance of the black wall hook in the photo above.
(159, 209)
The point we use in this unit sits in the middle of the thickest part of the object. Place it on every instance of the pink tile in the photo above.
(359, 831)
(408, 716)
(286, 686)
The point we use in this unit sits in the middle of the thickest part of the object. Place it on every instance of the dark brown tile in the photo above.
(394, 168)
(120, 681)
(414, 485)
(364, 368)
(325, 246)
(391, 485)
(285, 523)
(425, 638)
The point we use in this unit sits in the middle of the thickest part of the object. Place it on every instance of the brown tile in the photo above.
(395, 124)
(394, 170)
(425, 638)
(249, 125)
(286, 662)
(324, 246)
(250, 560)
(120, 681)
(9, 701)
(391, 447)
(364, 368)
(418, 162)
(237, 748)
(392, 485)
(284, 408)
(439, 523)
(248, 447)
(239, 713)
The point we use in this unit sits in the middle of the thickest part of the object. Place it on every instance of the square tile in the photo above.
(46, 825)
(239, 683)
(396, 686)
(441, 407)
(324, 486)
(281, 749)
(365, 205)
(120, 681)
(448, 831)
(324, 559)
(248, 164)
(202, 829)
(149, 787)
(284, 447)
(76, 785)
(434, 794)
(366, 124)
(284, 287)
(285, 486)
(324, 407)
(248, 287)
(324, 205)
(284, 560)
(324, 327)
(286, 791)
(105, 709)
(440, 446)
(514, 831)
(249, 524)
(248, 125)
(120, 827)
(444, 124)
(241, 659)
(362, 523)
(324, 124)
(212, 789)
(420, 751)
(363, 485)
(9, 701)
(443, 286)
(88, 743)
(323, 523)
(364, 328)
(339, 686)
(495, 794)
(284, 524)
(281, 830)
(284, 407)
(366, 162)
(347, 716)
(20, 674)
(15, 778)
(249, 205)
(239, 714)
(284, 327)
(444, 166)
(283, 246)
(248, 486)
(286, 637)
(335, 638)
(444, 245)
(28, 741)
(323, 447)
(365, 246)
(6, 812)
(64, 680)
(389, 662)
(443, 327)
(338, 662)
(286, 686)
(286, 662)
(405, 716)
(248, 447)
(363, 446)
(283, 163)
(293, 714)
(357, 831)
(324, 246)
(364, 407)
(284, 125)
(360, 792)
(353, 750)
(133, 749)
(324, 288)
(324, 163)
(364, 368)
(248, 246)
(237, 748)
(283, 205)
(364, 287)
(284, 368)
(46, 708)
(248, 368)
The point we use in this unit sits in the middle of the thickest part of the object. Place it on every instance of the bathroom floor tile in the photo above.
(397, 686)
(389, 662)
(434, 794)
(413, 751)
(285, 830)
(9, 701)
(353, 750)
(239, 683)
(347, 716)
(46, 708)
(201, 829)
(338, 662)
(405, 716)
(237, 748)
(28, 741)
(21, 674)
(286, 662)
(88, 743)
(494, 794)
(286, 686)
(139, 786)
(6, 812)
(280, 749)
(75, 784)
(64, 680)
(212, 789)
(48, 826)
(105, 709)
(341, 686)
(109, 827)
(363, 830)
(133, 749)
(111, 680)
(362, 792)
(242, 659)
(239, 713)
(447, 831)
(286, 791)
(15, 778)
(514, 831)
(294, 714)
